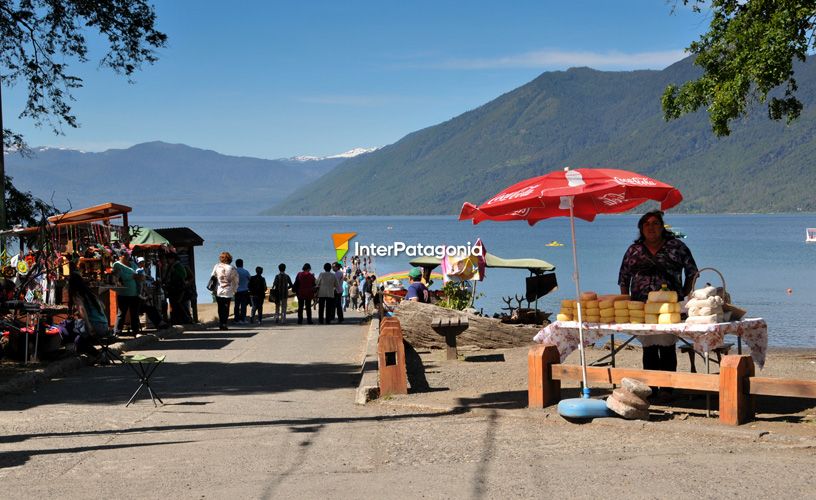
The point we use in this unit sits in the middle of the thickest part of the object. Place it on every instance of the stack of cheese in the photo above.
(635, 311)
(629, 400)
(705, 306)
(662, 308)
(590, 309)
(567, 312)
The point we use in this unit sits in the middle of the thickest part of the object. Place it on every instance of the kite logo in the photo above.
(341, 244)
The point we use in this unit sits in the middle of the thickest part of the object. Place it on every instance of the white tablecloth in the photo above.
(754, 331)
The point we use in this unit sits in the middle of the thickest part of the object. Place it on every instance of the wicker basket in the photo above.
(730, 311)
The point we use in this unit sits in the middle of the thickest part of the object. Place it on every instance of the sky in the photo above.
(276, 79)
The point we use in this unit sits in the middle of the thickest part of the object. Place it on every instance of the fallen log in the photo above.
(483, 333)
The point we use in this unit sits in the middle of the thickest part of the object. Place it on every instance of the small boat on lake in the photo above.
(810, 235)
(677, 233)
(554, 243)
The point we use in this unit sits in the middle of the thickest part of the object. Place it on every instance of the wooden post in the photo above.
(542, 389)
(391, 359)
(736, 406)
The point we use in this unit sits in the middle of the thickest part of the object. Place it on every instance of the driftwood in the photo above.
(484, 333)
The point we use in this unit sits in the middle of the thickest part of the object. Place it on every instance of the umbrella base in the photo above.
(584, 408)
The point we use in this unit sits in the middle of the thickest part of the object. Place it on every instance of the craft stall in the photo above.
(34, 278)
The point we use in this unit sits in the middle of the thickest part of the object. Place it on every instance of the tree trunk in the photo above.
(484, 333)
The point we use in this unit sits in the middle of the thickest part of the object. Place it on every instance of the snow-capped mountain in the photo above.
(348, 154)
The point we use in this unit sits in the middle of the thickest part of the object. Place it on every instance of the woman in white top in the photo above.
(227, 278)
(326, 286)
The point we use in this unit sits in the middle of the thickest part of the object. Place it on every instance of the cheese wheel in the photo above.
(671, 307)
(568, 304)
(650, 319)
(637, 314)
(620, 304)
(605, 304)
(652, 308)
(663, 296)
(589, 296)
(614, 297)
(668, 318)
(592, 304)
(592, 311)
(607, 313)
(592, 319)
(564, 317)
(635, 322)
(634, 305)
(568, 312)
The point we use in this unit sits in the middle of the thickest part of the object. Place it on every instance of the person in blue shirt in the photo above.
(417, 291)
(242, 294)
(127, 295)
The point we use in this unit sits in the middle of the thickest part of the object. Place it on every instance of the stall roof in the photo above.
(91, 214)
(533, 265)
(181, 236)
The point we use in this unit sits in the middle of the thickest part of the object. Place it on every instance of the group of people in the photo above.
(332, 291)
(137, 292)
(249, 291)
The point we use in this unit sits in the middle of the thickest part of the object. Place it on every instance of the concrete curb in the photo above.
(369, 387)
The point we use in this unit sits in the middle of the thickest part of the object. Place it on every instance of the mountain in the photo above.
(581, 118)
(157, 178)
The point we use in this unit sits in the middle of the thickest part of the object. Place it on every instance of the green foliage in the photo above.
(39, 37)
(748, 51)
(24, 209)
(458, 296)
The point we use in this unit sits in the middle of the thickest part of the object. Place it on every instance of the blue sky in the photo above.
(279, 79)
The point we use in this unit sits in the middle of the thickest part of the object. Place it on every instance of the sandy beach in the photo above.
(498, 379)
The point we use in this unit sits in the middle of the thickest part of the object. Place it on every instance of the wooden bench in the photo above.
(720, 351)
(735, 383)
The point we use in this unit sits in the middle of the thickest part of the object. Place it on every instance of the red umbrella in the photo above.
(582, 193)
(594, 191)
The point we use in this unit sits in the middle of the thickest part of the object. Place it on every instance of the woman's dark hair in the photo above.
(80, 290)
(307, 267)
(657, 214)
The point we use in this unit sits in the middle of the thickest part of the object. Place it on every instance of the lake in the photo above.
(760, 256)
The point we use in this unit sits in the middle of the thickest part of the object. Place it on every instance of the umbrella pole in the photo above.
(576, 278)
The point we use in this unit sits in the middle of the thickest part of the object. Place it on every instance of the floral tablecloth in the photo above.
(754, 331)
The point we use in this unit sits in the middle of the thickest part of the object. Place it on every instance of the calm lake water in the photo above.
(760, 256)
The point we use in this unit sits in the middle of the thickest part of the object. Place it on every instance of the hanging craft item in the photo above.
(8, 271)
(22, 267)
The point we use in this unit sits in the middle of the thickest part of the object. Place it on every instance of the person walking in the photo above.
(175, 283)
(338, 292)
(146, 295)
(304, 287)
(127, 295)
(227, 277)
(280, 293)
(326, 291)
(257, 294)
(242, 294)
(354, 294)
